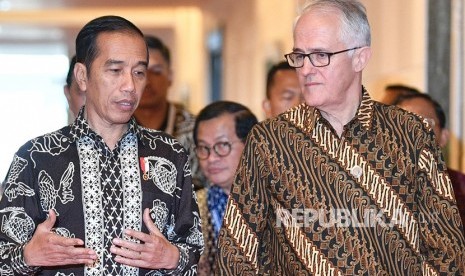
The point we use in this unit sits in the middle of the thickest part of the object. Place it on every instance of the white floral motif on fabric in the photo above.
(48, 192)
(6, 270)
(159, 213)
(13, 188)
(4, 246)
(63, 232)
(195, 236)
(132, 190)
(92, 201)
(53, 143)
(17, 225)
(163, 173)
(170, 228)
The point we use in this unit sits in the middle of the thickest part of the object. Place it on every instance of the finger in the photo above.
(84, 255)
(129, 261)
(50, 221)
(67, 255)
(126, 252)
(128, 245)
(56, 260)
(153, 229)
(63, 241)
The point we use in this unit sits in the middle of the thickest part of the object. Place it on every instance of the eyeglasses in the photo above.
(318, 59)
(221, 149)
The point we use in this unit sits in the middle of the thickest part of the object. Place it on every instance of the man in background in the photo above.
(429, 109)
(394, 91)
(155, 111)
(282, 89)
(74, 95)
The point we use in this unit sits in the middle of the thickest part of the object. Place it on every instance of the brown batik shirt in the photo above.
(375, 201)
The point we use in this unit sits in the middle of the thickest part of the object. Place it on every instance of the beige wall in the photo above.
(399, 44)
(257, 32)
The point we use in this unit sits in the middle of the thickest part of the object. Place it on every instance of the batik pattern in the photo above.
(97, 193)
(183, 126)
(375, 201)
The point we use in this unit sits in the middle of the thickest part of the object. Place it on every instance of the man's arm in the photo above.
(47, 248)
(441, 231)
(23, 246)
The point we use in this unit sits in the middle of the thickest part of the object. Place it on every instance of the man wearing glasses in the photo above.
(341, 184)
(219, 134)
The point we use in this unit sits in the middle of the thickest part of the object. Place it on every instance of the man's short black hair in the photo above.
(244, 118)
(283, 65)
(70, 76)
(155, 43)
(400, 90)
(437, 107)
(86, 40)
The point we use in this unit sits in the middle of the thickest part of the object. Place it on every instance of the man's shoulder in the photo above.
(183, 111)
(458, 179)
(154, 138)
(46, 145)
(393, 111)
(57, 138)
(395, 115)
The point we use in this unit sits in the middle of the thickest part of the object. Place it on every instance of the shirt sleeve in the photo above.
(244, 220)
(442, 242)
(19, 217)
(184, 231)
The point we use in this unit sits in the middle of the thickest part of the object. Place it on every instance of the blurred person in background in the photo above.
(429, 109)
(219, 134)
(155, 111)
(282, 89)
(394, 91)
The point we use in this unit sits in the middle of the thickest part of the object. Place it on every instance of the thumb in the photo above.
(153, 229)
(50, 221)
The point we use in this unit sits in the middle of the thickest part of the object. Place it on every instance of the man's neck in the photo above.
(152, 117)
(110, 133)
(339, 115)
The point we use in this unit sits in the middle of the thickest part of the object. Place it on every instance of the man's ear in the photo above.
(267, 107)
(66, 92)
(444, 137)
(361, 57)
(80, 76)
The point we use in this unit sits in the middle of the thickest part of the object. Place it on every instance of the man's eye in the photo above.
(139, 73)
(320, 55)
(298, 56)
(155, 71)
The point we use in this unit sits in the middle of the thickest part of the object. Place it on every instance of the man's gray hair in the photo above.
(355, 29)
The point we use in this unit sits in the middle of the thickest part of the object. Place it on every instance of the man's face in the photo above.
(284, 93)
(426, 110)
(75, 96)
(324, 87)
(219, 170)
(116, 79)
(158, 81)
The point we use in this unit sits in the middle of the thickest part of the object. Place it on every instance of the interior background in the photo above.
(412, 41)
